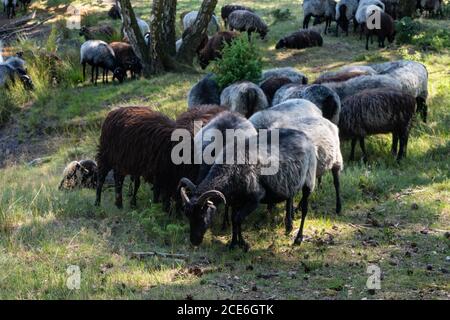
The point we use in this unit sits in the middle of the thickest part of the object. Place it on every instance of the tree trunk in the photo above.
(148, 55)
(169, 33)
(406, 8)
(160, 34)
(192, 40)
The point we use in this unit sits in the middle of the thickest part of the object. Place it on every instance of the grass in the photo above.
(394, 215)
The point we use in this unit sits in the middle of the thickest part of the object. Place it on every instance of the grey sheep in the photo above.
(323, 97)
(79, 174)
(98, 54)
(323, 133)
(246, 21)
(9, 75)
(319, 9)
(286, 72)
(377, 111)
(245, 186)
(353, 86)
(189, 19)
(204, 92)
(244, 97)
(226, 10)
(17, 63)
(345, 12)
(412, 76)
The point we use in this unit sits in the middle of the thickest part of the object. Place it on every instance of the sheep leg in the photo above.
(236, 219)
(403, 145)
(102, 173)
(306, 21)
(137, 184)
(249, 35)
(289, 215)
(422, 108)
(352, 152)
(304, 205)
(118, 184)
(337, 187)
(363, 149)
(225, 221)
(319, 182)
(394, 143)
(367, 42)
(84, 71)
(96, 74)
(92, 73)
(337, 29)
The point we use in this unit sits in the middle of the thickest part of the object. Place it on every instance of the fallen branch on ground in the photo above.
(140, 255)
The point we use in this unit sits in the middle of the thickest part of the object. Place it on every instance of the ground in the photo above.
(395, 216)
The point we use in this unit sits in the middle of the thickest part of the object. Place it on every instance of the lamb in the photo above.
(245, 186)
(319, 9)
(375, 111)
(98, 54)
(300, 39)
(286, 72)
(244, 97)
(137, 141)
(204, 92)
(323, 134)
(344, 74)
(386, 30)
(189, 19)
(228, 9)
(9, 6)
(79, 174)
(345, 12)
(323, 97)
(213, 48)
(246, 21)
(271, 86)
(350, 87)
(114, 12)
(99, 32)
(413, 78)
(126, 58)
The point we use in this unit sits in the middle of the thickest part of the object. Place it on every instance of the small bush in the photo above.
(281, 15)
(406, 29)
(241, 60)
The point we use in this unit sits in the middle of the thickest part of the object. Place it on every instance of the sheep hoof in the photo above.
(298, 240)
(288, 230)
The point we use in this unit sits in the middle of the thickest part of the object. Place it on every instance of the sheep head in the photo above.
(199, 209)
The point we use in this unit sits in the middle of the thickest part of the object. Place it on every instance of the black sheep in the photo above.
(301, 39)
(386, 30)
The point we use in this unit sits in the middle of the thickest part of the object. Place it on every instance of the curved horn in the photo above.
(211, 194)
(188, 183)
(184, 196)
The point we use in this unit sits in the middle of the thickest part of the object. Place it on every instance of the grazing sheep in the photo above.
(204, 92)
(17, 63)
(114, 12)
(344, 74)
(286, 72)
(319, 9)
(79, 174)
(126, 58)
(228, 9)
(413, 78)
(300, 39)
(213, 48)
(245, 186)
(345, 12)
(353, 86)
(271, 86)
(377, 111)
(386, 30)
(324, 135)
(323, 97)
(246, 21)
(366, 9)
(431, 6)
(98, 54)
(143, 27)
(244, 97)
(137, 141)
(9, 6)
(189, 19)
(98, 32)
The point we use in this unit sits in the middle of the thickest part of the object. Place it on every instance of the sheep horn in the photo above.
(210, 194)
(184, 196)
(188, 183)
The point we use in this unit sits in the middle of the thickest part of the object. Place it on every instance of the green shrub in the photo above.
(406, 29)
(241, 60)
(281, 15)
(7, 106)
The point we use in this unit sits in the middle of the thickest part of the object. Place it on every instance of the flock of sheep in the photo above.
(310, 119)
